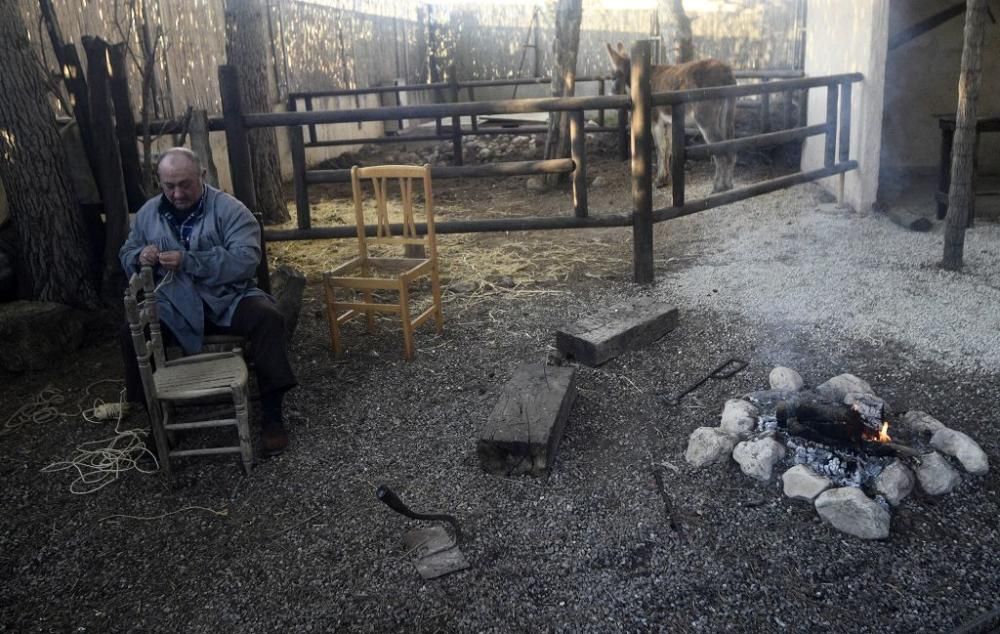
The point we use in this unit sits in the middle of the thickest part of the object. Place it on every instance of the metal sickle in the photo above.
(390, 499)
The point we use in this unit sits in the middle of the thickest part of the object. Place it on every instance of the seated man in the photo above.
(204, 246)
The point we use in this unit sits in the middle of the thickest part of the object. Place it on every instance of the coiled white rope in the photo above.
(43, 408)
(97, 463)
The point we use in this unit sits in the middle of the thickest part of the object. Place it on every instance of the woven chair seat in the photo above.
(203, 377)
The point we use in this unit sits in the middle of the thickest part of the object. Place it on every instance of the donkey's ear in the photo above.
(616, 56)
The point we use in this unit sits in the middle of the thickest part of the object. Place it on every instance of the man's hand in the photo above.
(171, 260)
(149, 255)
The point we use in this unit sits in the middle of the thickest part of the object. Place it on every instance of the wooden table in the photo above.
(984, 124)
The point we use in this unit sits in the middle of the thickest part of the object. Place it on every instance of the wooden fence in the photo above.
(642, 216)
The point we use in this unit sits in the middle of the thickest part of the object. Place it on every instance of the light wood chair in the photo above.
(188, 380)
(410, 258)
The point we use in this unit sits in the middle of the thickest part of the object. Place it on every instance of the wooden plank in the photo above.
(128, 148)
(109, 166)
(522, 433)
(596, 339)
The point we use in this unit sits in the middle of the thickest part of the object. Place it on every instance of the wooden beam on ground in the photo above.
(605, 335)
(909, 220)
(522, 434)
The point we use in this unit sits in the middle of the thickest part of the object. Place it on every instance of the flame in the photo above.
(883, 434)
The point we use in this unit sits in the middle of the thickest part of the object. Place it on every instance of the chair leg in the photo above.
(369, 315)
(331, 317)
(243, 426)
(436, 290)
(404, 314)
(160, 439)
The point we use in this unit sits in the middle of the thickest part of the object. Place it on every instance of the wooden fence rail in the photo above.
(642, 216)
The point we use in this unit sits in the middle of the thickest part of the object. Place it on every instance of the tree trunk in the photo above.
(683, 40)
(53, 262)
(963, 152)
(246, 49)
(568, 16)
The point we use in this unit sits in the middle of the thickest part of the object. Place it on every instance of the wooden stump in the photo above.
(37, 335)
(596, 339)
(523, 432)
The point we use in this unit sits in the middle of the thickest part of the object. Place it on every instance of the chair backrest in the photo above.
(381, 176)
(142, 316)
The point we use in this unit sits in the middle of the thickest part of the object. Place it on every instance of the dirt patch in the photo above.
(302, 544)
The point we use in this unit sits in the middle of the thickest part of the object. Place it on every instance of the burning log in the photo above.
(821, 422)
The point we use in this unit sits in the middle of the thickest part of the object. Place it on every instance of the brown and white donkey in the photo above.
(715, 119)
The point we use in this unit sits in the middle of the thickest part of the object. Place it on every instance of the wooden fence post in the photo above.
(125, 128)
(237, 145)
(830, 154)
(765, 108)
(76, 84)
(109, 164)
(298, 150)
(845, 122)
(600, 93)
(456, 121)
(312, 127)
(642, 182)
(201, 144)
(578, 152)
(475, 120)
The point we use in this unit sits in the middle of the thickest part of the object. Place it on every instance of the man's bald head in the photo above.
(180, 174)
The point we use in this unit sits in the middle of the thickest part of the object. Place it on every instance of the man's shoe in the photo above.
(273, 438)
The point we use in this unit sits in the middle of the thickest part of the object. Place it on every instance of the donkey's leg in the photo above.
(709, 117)
(661, 138)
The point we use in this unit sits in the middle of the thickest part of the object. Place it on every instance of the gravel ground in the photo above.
(303, 545)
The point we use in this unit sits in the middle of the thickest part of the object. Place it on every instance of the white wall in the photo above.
(849, 36)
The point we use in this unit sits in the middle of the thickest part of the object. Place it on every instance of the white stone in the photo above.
(599, 182)
(861, 397)
(536, 184)
(850, 511)
(936, 475)
(741, 427)
(958, 445)
(921, 422)
(787, 379)
(802, 483)
(737, 408)
(708, 445)
(840, 386)
(757, 457)
(895, 482)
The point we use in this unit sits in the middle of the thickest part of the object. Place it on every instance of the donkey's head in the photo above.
(622, 68)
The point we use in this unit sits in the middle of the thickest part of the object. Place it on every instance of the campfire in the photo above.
(836, 451)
